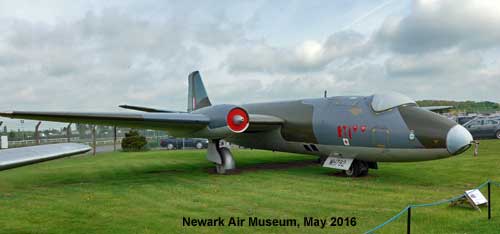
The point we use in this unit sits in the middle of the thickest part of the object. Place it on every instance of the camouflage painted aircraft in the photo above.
(351, 133)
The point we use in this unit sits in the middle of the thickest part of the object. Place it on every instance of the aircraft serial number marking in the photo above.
(338, 163)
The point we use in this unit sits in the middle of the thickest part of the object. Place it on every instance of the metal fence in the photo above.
(409, 208)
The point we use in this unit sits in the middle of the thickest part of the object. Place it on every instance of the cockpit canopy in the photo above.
(386, 101)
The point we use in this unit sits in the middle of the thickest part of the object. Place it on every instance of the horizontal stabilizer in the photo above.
(17, 157)
(147, 109)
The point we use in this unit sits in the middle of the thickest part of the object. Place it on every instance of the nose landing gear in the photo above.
(360, 168)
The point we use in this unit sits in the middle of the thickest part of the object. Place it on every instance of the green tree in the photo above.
(12, 135)
(133, 141)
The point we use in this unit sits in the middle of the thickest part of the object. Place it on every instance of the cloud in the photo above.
(96, 61)
(440, 25)
(309, 56)
(440, 63)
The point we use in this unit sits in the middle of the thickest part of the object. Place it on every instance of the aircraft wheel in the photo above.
(199, 145)
(228, 162)
(357, 169)
(498, 134)
(170, 146)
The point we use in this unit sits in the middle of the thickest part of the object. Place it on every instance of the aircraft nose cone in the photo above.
(458, 139)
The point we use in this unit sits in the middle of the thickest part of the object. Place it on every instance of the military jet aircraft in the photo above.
(351, 133)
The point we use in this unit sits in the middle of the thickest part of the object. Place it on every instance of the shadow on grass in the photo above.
(251, 167)
(155, 173)
(342, 174)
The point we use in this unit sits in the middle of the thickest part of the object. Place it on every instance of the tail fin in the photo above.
(197, 96)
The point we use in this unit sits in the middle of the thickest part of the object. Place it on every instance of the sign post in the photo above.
(408, 222)
(489, 200)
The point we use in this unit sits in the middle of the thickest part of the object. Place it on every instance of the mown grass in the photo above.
(150, 192)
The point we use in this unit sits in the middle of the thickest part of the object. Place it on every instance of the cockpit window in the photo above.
(386, 101)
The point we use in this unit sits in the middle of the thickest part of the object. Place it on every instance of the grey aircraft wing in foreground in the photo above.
(351, 133)
(17, 157)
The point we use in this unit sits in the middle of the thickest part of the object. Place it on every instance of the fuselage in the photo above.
(357, 127)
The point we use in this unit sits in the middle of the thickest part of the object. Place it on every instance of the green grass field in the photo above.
(151, 192)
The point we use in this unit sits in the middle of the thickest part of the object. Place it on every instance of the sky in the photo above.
(94, 55)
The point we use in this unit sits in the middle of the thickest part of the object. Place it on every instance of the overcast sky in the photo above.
(94, 55)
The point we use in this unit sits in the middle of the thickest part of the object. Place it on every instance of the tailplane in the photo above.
(197, 96)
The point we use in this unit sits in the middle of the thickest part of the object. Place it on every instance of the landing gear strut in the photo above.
(358, 168)
(221, 156)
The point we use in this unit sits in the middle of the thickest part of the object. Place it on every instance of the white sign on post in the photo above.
(4, 142)
(476, 197)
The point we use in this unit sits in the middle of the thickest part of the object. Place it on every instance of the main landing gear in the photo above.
(221, 156)
(360, 168)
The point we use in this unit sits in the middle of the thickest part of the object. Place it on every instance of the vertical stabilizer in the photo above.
(197, 96)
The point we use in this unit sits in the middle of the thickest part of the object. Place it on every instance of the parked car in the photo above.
(484, 127)
(464, 119)
(179, 143)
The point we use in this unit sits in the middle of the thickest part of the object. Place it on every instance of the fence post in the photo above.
(68, 132)
(489, 199)
(408, 222)
(93, 140)
(37, 133)
(114, 138)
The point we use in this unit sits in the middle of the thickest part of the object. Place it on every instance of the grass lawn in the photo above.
(151, 192)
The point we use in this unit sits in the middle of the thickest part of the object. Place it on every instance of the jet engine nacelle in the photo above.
(225, 120)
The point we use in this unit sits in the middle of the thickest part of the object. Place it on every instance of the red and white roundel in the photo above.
(237, 120)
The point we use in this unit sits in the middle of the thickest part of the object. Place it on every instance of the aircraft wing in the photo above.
(17, 157)
(437, 108)
(176, 123)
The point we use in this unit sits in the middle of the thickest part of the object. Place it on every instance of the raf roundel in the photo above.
(237, 120)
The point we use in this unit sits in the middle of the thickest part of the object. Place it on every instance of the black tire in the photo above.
(170, 146)
(198, 145)
(497, 134)
(350, 172)
(357, 169)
